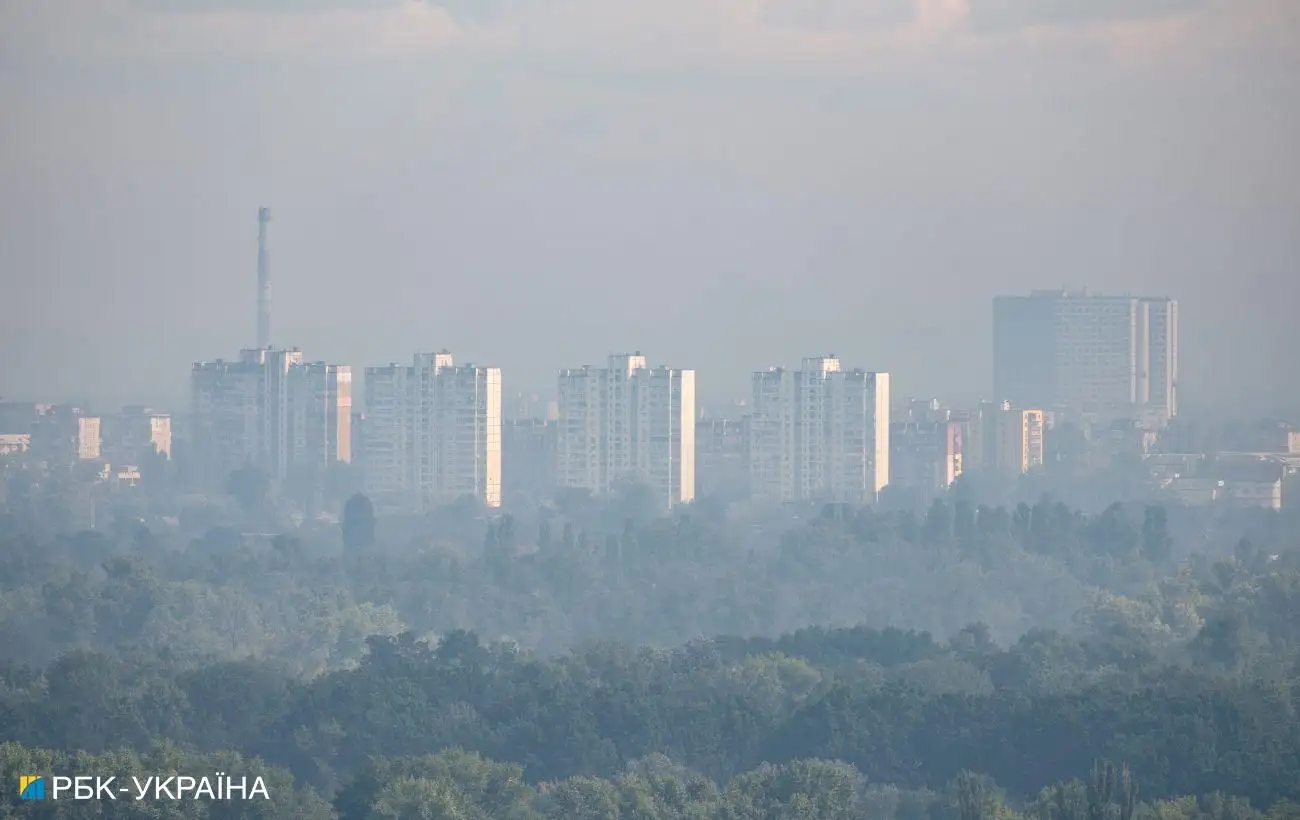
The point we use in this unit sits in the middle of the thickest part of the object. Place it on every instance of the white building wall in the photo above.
(319, 415)
(226, 417)
(579, 457)
(467, 436)
(492, 437)
(1097, 352)
(684, 436)
(433, 432)
(627, 422)
(425, 435)
(879, 444)
(1162, 362)
(387, 468)
(160, 433)
(771, 435)
(89, 441)
(820, 433)
(1020, 440)
(662, 435)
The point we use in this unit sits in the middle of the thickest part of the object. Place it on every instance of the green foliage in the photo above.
(455, 786)
(358, 522)
(968, 663)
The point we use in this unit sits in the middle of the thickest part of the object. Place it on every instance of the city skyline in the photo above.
(1156, 381)
(719, 393)
(719, 182)
(749, 409)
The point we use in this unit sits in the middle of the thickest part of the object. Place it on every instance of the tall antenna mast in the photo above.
(263, 281)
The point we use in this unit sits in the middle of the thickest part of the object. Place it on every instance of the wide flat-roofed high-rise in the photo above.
(1116, 356)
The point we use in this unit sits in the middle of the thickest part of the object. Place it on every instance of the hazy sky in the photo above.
(724, 184)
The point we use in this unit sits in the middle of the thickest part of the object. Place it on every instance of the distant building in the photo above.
(14, 443)
(467, 435)
(925, 454)
(528, 453)
(1020, 440)
(388, 468)
(433, 432)
(134, 433)
(1248, 482)
(269, 410)
(319, 415)
(1114, 356)
(1265, 436)
(360, 424)
(819, 433)
(231, 403)
(627, 422)
(722, 456)
(1000, 438)
(18, 417)
(923, 410)
(64, 434)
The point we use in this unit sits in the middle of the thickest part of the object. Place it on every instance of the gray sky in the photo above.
(724, 184)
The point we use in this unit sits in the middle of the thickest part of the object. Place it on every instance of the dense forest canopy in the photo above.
(597, 659)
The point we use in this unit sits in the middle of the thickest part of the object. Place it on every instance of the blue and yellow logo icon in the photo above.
(31, 787)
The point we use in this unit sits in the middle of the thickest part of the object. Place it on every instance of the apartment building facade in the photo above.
(1000, 438)
(627, 422)
(1020, 440)
(387, 467)
(135, 432)
(319, 415)
(819, 433)
(433, 433)
(1110, 356)
(271, 410)
(925, 454)
(62, 434)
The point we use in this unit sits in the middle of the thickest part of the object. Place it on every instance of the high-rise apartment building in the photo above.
(433, 432)
(627, 422)
(466, 435)
(224, 430)
(819, 433)
(1115, 356)
(388, 466)
(319, 415)
(269, 410)
(1159, 389)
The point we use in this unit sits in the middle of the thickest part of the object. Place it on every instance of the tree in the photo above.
(971, 796)
(251, 489)
(358, 522)
(1156, 543)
